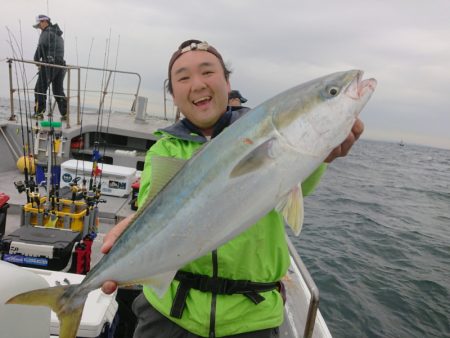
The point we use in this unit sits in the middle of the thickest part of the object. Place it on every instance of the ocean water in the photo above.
(376, 240)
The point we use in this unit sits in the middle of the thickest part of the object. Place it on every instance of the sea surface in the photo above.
(376, 240)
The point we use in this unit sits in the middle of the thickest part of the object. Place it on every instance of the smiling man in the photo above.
(199, 87)
(208, 297)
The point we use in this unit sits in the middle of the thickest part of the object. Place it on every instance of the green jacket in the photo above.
(259, 254)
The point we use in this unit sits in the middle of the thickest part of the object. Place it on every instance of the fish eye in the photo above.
(333, 91)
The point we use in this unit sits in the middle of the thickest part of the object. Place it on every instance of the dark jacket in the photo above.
(50, 48)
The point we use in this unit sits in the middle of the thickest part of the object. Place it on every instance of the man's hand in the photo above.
(344, 147)
(109, 287)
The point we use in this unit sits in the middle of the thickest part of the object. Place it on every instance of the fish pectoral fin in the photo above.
(291, 207)
(54, 298)
(254, 160)
(160, 283)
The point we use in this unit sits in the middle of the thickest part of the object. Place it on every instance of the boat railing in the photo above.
(313, 289)
(108, 73)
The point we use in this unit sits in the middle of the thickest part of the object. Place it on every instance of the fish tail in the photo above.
(63, 300)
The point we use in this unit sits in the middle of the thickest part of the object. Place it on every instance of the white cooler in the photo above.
(18, 321)
(99, 309)
(115, 180)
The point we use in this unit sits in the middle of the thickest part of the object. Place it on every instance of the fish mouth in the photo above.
(359, 88)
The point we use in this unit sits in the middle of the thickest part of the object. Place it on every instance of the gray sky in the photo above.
(270, 46)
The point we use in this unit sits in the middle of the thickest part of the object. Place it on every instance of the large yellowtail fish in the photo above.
(252, 167)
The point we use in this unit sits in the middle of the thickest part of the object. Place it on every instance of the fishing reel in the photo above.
(77, 191)
(74, 184)
(23, 186)
(20, 186)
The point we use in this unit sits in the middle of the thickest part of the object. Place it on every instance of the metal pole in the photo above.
(136, 94)
(11, 92)
(49, 167)
(314, 302)
(105, 91)
(133, 110)
(79, 98)
(68, 99)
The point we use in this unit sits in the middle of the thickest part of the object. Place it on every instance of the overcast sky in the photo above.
(270, 46)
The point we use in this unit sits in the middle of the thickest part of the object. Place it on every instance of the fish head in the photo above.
(317, 116)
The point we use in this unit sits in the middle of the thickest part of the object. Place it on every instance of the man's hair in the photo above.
(193, 44)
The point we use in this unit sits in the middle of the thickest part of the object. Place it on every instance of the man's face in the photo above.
(234, 102)
(43, 24)
(200, 89)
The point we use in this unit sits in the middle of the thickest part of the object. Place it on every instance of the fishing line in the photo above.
(112, 94)
(25, 88)
(25, 92)
(24, 146)
(23, 77)
(82, 108)
(27, 95)
(104, 85)
(51, 73)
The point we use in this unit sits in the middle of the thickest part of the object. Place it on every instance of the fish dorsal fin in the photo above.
(291, 207)
(255, 160)
(163, 170)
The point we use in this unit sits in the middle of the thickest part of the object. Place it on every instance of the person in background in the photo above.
(50, 49)
(199, 83)
(235, 99)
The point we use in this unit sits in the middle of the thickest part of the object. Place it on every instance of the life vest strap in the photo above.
(219, 285)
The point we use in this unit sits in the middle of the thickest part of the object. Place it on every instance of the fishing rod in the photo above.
(96, 156)
(29, 185)
(52, 137)
(93, 197)
(27, 99)
(75, 188)
(82, 107)
(111, 98)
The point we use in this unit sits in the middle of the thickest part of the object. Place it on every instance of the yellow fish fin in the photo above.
(69, 314)
(163, 170)
(291, 207)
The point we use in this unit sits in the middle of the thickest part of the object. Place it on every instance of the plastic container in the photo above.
(115, 180)
(38, 247)
(3, 212)
(75, 218)
(99, 314)
(21, 320)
